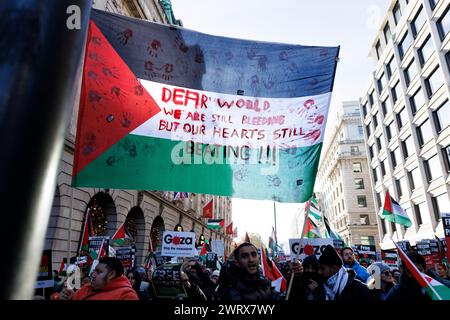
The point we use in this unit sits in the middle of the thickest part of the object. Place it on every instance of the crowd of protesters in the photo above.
(332, 276)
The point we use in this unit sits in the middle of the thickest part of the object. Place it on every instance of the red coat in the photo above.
(117, 289)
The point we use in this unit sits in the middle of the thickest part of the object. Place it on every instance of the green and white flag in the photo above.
(215, 224)
(393, 212)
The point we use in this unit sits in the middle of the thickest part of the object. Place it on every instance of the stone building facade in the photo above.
(343, 187)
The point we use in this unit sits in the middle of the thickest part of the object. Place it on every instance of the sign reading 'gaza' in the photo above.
(309, 247)
(178, 244)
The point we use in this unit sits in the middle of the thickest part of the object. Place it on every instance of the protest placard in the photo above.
(309, 246)
(166, 281)
(178, 244)
(218, 247)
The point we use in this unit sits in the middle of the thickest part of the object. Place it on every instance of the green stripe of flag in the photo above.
(145, 163)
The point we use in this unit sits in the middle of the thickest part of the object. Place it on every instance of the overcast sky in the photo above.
(352, 24)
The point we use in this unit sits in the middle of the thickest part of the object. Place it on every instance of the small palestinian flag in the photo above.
(203, 252)
(311, 230)
(393, 212)
(119, 237)
(215, 223)
(271, 272)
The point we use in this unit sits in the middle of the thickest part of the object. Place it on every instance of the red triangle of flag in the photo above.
(120, 233)
(112, 100)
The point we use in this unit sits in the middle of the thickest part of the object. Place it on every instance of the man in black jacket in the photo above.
(240, 277)
(409, 289)
(337, 283)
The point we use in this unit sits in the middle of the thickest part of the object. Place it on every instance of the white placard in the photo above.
(218, 247)
(178, 244)
(313, 246)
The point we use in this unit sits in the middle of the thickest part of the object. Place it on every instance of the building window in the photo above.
(441, 116)
(378, 49)
(388, 132)
(383, 227)
(398, 155)
(357, 167)
(425, 51)
(360, 131)
(359, 183)
(402, 118)
(395, 157)
(371, 99)
(434, 82)
(375, 120)
(443, 24)
(418, 215)
(424, 132)
(432, 168)
(368, 130)
(387, 33)
(378, 197)
(424, 212)
(397, 12)
(433, 3)
(441, 205)
(446, 155)
(418, 22)
(354, 149)
(364, 219)
(410, 72)
(415, 179)
(402, 186)
(383, 168)
(386, 106)
(381, 82)
(417, 100)
(447, 58)
(391, 67)
(340, 186)
(378, 144)
(375, 175)
(408, 147)
(364, 108)
(371, 152)
(368, 240)
(382, 143)
(362, 201)
(395, 92)
(405, 44)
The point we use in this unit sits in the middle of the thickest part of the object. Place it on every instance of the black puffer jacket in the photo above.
(235, 285)
(355, 290)
(407, 290)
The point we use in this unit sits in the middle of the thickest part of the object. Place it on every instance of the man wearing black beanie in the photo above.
(338, 285)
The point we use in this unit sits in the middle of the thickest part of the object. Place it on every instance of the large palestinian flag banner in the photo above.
(167, 108)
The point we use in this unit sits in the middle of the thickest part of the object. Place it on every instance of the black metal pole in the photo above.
(40, 59)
